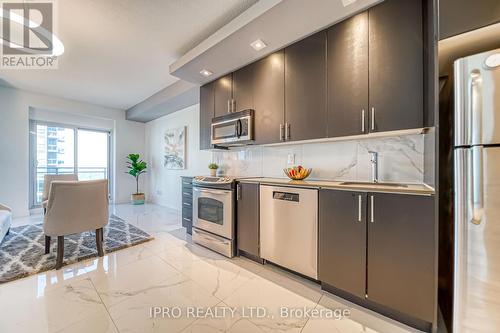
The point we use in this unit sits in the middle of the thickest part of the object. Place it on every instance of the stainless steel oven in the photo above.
(233, 129)
(213, 213)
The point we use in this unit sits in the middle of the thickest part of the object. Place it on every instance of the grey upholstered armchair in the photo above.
(74, 207)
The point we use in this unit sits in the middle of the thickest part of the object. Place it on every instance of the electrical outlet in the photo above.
(291, 159)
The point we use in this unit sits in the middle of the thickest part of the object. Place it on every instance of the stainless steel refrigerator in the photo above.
(477, 193)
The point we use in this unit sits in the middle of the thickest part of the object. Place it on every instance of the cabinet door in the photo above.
(348, 77)
(342, 240)
(396, 65)
(206, 114)
(269, 98)
(243, 88)
(247, 218)
(223, 95)
(305, 88)
(459, 16)
(401, 253)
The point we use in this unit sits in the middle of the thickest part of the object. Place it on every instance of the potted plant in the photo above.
(213, 169)
(136, 167)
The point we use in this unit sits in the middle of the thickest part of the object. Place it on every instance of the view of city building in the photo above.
(55, 154)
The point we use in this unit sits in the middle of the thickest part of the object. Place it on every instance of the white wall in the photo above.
(164, 186)
(14, 142)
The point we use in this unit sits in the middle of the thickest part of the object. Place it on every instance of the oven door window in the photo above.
(211, 210)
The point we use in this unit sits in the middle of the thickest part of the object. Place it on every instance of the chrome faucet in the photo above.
(374, 161)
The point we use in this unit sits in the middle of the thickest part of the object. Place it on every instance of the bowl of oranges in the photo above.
(297, 172)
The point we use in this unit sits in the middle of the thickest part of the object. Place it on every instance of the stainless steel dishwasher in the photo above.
(289, 228)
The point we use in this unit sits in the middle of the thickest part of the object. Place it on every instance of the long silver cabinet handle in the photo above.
(282, 132)
(363, 121)
(229, 106)
(287, 131)
(360, 204)
(373, 118)
(372, 205)
(238, 192)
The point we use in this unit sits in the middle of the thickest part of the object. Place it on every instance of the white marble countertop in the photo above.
(417, 189)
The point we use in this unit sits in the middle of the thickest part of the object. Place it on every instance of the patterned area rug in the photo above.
(22, 252)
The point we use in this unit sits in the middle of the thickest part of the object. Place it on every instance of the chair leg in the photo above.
(60, 251)
(47, 244)
(98, 239)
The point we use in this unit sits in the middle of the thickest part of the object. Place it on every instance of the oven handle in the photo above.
(218, 192)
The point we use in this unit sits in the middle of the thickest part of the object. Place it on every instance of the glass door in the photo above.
(64, 149)
(54, 154)
(92, 154)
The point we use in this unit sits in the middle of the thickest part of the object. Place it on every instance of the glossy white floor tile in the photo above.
(115, 293)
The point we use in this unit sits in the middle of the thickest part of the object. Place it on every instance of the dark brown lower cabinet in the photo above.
(247, 218)
(379, 250)
(401, 253)
(342, 240)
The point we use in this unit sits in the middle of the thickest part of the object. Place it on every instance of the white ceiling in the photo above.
(118, 52)
(277, 22)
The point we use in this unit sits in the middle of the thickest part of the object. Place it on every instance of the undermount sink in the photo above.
(374, 184)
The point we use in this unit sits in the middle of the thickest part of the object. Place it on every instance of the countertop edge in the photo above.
(426, 189)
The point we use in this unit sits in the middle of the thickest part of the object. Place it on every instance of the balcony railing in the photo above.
(84, 173)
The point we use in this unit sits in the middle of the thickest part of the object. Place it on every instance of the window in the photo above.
(63, 149)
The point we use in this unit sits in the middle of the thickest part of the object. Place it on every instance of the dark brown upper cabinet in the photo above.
(396, 65)
(223, 94)
(206, 114)
(401, 253)
(362, 75)
(342, 240)
(348, 77)
(243, 80)
(459, 16)
(269, 98)
(305, 88)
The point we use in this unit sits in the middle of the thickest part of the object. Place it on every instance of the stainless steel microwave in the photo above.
(233, 129)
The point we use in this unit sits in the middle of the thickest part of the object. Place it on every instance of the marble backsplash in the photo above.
(401, 159)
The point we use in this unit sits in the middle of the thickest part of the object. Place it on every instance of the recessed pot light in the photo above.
(258, 45)
(205, 72)
(348, 2)
(493, 60)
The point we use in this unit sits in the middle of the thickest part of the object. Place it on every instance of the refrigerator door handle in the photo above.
(476, 106)
(477, 185)
(463, 118)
